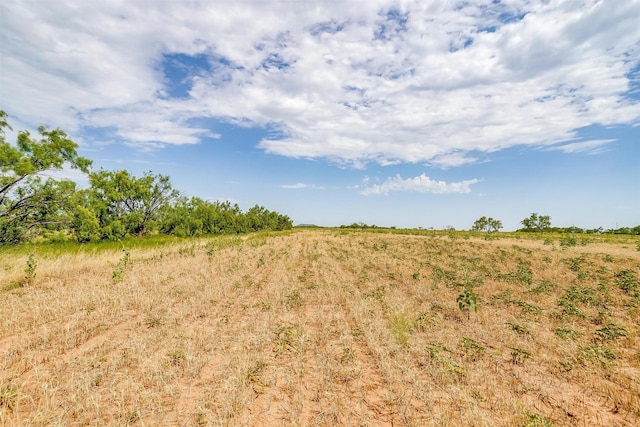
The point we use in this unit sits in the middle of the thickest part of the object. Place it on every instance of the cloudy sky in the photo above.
(412, 114)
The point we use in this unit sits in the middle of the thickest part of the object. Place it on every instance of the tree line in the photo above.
(116, 204)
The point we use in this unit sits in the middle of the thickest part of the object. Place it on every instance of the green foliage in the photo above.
(401, 327)
(536, 222)
(294, 299)
(8, 394)
(535, 420)
(29, 203)
(627, 280)
(467, 300)
(490, 225)
(30, 269)
(118, 272)
(519, 355)
(124, 203)
(610, 331)
(595, 354)
(472, 348)
(567, 333)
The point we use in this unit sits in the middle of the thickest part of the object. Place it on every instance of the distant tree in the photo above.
(489, 225)
(30, 201)
(537, 222)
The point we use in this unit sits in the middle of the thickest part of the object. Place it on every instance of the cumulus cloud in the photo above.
(381, 81)
(420, 184)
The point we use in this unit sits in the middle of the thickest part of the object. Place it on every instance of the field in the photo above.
(323, 327)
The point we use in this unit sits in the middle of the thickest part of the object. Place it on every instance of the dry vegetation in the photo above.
(323, 327)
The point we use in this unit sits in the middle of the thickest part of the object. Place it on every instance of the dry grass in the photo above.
(323, 328)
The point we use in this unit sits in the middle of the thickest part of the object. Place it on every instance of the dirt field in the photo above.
(323, 327)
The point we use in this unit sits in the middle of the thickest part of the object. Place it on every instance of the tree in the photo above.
(537, 222)
(124, 204)
(489, 225)
(28, 199)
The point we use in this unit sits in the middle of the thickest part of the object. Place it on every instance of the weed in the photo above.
(118, 272)
(628, 282)
(528, 309)
(294, 299)
(567, 333)
(400, 326)
(255, 375)
(348, 355)
(177, 358)
(581, 294)
(286, 337)
(153, 322)
(30, 270)
(265, 305)
(423, 321)
(536, 420)
(523, 274)
(544, 287)
(8, 396)
(610, 332)
(377, 293)
(595, 354)
(568, 241)
(519, 329)
(437, 353)
(569, 309)
(472, 348)
(467, 300)
(519, 355)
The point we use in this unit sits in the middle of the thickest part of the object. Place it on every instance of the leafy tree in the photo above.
(489, 225)
(537, 222)
(124, 204)
(28, 200)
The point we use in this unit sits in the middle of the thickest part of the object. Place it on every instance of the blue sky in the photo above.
(395, 113)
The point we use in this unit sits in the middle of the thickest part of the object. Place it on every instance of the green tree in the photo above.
(29, 201)
(490, 225)
(124, 204)
(537, 222)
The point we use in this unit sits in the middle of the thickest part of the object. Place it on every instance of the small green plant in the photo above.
(536, 420)
(568, 241)
(567, 333)
(118, 272)
(610, 332)
(472, 348)
(287, 337)
(595, 354)
(255, 374)
(177, 358)
(467, 300)
(628, 282)
(544, 288)
(348, 355)
(153, 322)
(400, 326)
(294, 299)
(8, 397)
(519, 355)
(519, 329)
(30, 270)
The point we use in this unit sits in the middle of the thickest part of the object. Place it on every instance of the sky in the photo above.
(427, 113)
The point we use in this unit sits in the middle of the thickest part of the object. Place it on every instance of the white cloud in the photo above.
(420, 184)
(352, 83)
(590, 147)
(301, 185)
